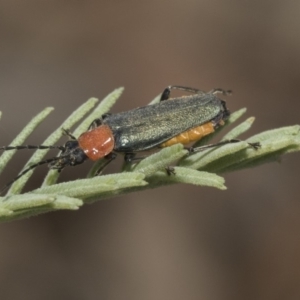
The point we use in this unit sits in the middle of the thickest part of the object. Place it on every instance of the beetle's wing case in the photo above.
(147, 127)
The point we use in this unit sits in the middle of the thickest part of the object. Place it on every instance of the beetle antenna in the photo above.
(46, 161)
(5, 148)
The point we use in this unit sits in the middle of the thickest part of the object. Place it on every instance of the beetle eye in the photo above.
(78, 157)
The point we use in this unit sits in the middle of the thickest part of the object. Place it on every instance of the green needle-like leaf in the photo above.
(238, 130)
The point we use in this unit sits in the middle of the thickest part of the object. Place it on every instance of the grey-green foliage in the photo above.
(197, 169)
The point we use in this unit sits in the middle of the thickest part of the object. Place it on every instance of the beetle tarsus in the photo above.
(255, 146)
(170, 170)
(221, 91)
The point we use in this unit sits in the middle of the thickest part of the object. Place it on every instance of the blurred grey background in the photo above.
(179, 242)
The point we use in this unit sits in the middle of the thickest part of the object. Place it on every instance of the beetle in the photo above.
(182, 119)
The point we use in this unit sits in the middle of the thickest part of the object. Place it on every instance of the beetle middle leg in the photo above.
(131, 157)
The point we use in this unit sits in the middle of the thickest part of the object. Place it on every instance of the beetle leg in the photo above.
(199, 149)
(104, 116)
(130, 157)
(97, 122)
(167, 91)
(69, 134)
(108, 159)
(170, 170)
(220, 91)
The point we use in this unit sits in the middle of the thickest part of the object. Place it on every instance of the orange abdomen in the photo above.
(191, 135)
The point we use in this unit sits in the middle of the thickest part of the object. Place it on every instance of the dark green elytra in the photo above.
(149, 126)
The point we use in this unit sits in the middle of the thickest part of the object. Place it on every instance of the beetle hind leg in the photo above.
(192, 150)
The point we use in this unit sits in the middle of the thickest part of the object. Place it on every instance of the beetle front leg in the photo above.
(97, 122)
(108, 159)
(69, 134)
